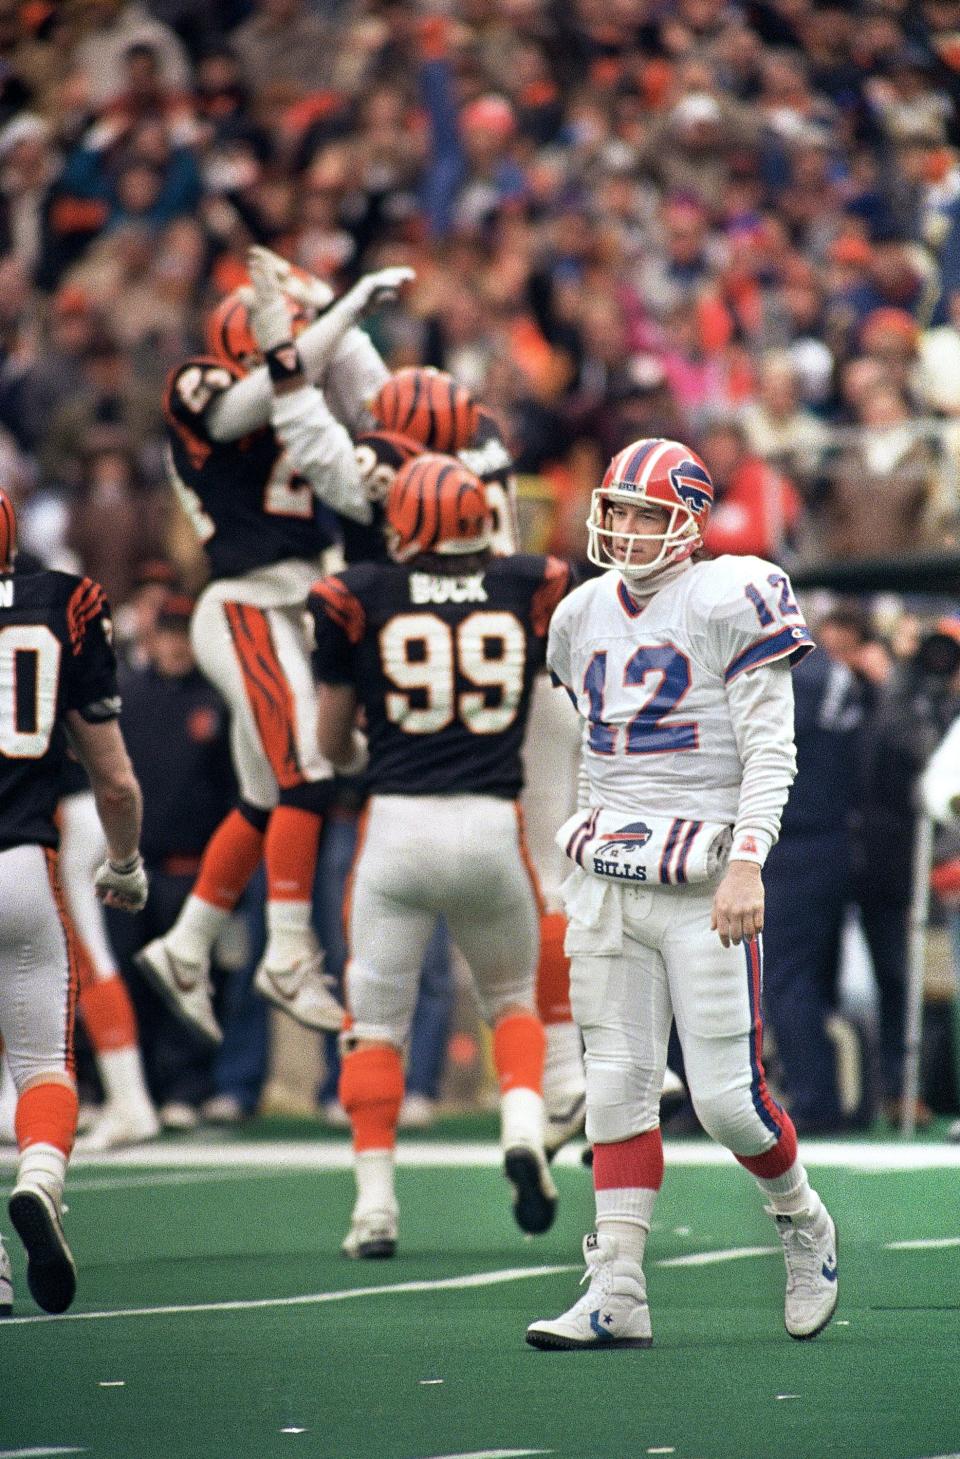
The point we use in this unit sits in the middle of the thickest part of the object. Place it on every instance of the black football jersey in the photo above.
(245, 505)
(442, 664)
(55, 655)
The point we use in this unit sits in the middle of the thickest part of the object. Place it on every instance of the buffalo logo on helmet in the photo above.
(693, 486)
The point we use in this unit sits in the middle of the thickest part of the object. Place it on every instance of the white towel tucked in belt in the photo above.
(639, 848)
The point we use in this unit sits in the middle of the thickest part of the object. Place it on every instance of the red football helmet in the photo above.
(8, 532)
(428, 405)
(436, 505)
(656, 473)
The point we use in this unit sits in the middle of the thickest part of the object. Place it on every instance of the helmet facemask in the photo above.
(680, 537)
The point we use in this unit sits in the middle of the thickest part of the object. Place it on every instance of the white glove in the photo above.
(375, 289)
(122, 884)
(306, 288)
(318, 342)
(269, 316)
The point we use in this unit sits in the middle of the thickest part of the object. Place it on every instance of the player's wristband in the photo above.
(283, 362)
(124, 868)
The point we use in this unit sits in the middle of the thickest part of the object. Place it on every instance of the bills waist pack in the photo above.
(624, 847)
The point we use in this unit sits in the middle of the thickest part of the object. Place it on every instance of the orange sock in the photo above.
(290, 853)
(519, 1050)
(47, 1115)
(371, 1091)
(108, 1014)
(229, 862)
(553, 971)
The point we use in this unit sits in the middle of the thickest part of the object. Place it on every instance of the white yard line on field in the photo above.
(336, 1155)
(311, 1299)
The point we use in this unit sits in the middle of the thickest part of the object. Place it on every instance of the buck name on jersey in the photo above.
(443, 665)
(244, 502)
(650, 680)
(55, 655)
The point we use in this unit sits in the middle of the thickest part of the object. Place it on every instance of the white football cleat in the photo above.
(372, 1235)
(6, 1282)
(301, 990)
(534, 1193)
(613, 1313)
(809, 1241)
(117, 1125)
(183, 985)
(51, 1274)
(564, 1122)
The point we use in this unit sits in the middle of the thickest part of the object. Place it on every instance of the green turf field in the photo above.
(214, 1316)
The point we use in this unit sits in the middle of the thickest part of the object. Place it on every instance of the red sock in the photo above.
(229, 861)
(553, 971)
(519, 1050)
(47, 1115)
(371, 1092)
(290, 854)
(629, 1163)
(108, 1014)
(779, 1158)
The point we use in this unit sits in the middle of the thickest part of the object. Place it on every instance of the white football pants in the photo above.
(419, 857)
(36, 994)
(670, 964)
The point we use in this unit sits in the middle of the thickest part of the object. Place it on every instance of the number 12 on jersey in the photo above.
(664, 673)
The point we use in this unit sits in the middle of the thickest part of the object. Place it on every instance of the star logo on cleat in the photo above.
(829, 1268)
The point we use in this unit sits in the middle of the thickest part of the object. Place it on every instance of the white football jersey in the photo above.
(650, 680)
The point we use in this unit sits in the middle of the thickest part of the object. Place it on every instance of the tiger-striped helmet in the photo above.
(8, 532)
(228, 331)
(428, 405)
(436, 505)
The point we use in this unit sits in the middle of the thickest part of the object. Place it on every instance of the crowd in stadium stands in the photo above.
(735, 224)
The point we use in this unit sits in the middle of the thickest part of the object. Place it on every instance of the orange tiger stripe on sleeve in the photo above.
(342, 607)
(555, 585)
(85, 602)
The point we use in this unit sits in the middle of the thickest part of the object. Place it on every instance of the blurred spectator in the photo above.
(779, 427)
(105, 32)
(883, 496)
(116, 522)
(107, 395)
(756, 507)
(175, 726)
(285, 52)
(807, 876)
(910, 716)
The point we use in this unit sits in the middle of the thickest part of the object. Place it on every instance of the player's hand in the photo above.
(738, 904)
(269, 316)
(297, 282)
(375, 289)
(122, 884)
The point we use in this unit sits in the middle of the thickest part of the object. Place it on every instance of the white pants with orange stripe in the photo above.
(37, 991)
(251, 639)
(419, 857)
(639, 957)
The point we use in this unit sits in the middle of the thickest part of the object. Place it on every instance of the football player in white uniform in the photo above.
(680, 670)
